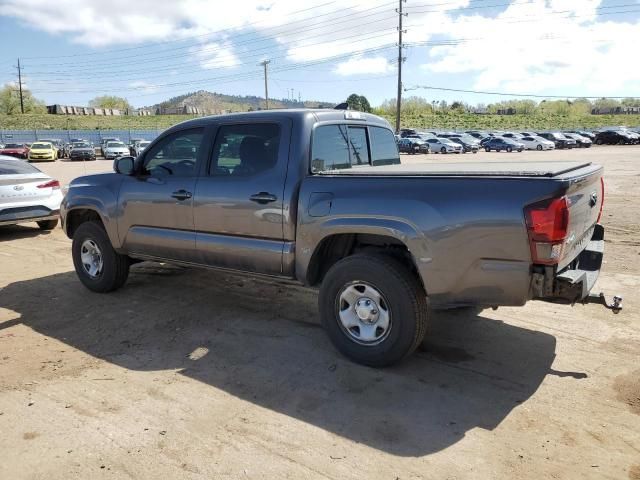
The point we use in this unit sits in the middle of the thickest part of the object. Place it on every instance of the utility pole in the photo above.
(20, 86)
(264, 63)
(400, 60)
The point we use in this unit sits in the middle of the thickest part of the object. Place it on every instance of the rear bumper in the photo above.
(573, 283)
(37, 213)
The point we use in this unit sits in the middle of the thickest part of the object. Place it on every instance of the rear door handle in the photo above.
(263, 197)
(181, 195)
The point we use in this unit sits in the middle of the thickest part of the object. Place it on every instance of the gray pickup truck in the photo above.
(321, 197)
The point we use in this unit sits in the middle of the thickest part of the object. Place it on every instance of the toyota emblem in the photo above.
(18, 187)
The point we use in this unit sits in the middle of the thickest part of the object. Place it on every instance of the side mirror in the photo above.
(123, 165)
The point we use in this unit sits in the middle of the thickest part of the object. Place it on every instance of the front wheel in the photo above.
(487, 149)
(443, 150)
(98, 266)
(539, 147)
(373, 309)
(509, 149)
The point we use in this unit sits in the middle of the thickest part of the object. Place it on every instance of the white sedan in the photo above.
(536, 143)
(443, 145)
(28, 195)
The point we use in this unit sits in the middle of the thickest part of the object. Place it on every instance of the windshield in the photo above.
(116, 145)
(14, 145)
(81, 145)
(144, 144)
(41, 146)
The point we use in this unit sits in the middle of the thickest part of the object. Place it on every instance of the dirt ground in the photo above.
(196, 374)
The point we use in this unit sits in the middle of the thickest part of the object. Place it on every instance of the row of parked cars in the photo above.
(75, 149)
(413, 141)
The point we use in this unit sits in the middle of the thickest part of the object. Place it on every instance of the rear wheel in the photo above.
(373, 309)
(48, 224)
(98, 266)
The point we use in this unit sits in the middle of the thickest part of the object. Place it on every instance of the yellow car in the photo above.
(42, 151)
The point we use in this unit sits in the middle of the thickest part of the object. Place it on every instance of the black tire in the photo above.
(115, 269)
(599, 141)
(509, 149)
(443, 150)
(48, 224)
(405, 299)
(487, 149)
(539, 148)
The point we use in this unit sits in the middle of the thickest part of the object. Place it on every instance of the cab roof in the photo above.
(310, 115)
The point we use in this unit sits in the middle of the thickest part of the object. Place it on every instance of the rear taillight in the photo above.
(55, 184)
(547, 225)
(602, 198)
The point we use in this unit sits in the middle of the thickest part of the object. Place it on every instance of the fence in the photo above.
(93, 136)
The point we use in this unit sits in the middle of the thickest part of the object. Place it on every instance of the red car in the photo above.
(19, 150)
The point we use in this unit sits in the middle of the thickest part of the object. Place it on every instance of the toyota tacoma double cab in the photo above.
(321, 197)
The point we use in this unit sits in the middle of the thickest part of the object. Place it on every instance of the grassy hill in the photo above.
(438, 121)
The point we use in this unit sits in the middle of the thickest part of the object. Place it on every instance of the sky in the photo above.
(150, 50)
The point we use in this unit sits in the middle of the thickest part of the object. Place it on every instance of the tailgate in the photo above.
(585, 197)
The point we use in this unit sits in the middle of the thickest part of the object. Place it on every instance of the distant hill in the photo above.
(212, 103)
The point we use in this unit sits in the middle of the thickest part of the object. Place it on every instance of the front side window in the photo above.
(245, 149)
(175, 155)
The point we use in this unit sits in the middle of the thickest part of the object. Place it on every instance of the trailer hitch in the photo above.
(614, 306)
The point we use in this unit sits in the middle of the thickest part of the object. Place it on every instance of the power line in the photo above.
(504, 94)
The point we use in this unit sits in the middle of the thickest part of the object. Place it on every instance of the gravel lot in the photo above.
(196, 374)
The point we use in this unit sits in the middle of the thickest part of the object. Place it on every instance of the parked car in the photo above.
(499, 144)
(132, 145)
(379, 262)
(413, 145)
(42, 151)
(581, 141)
(405, 132)
(57, 144)
(536, 143)
(18, 150)
(27, 195)
(115, 149)
(512, 136)
(612, 137)
(443, 145)
(104, 141)
(635, 137)
(467, 145)
(478, 134)
(82, 151)
(140, 146)
(590, 135)
(559, 139)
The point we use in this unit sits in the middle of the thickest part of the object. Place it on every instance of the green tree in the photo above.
(358, 102)
(110, 101)
(10, 101)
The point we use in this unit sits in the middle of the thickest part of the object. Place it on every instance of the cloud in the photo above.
(214, 55)
(360, 65)
(144, 86)
(556, 46)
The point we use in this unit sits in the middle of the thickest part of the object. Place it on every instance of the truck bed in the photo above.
(470, 169)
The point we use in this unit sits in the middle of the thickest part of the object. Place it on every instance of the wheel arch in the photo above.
(337, 245)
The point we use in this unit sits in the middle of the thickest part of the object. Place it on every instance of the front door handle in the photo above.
(181, 195)
(263, 197)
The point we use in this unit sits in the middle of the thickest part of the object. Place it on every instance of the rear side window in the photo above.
(245, 149)
(383, 147)
(330, 149)
(16, 167)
